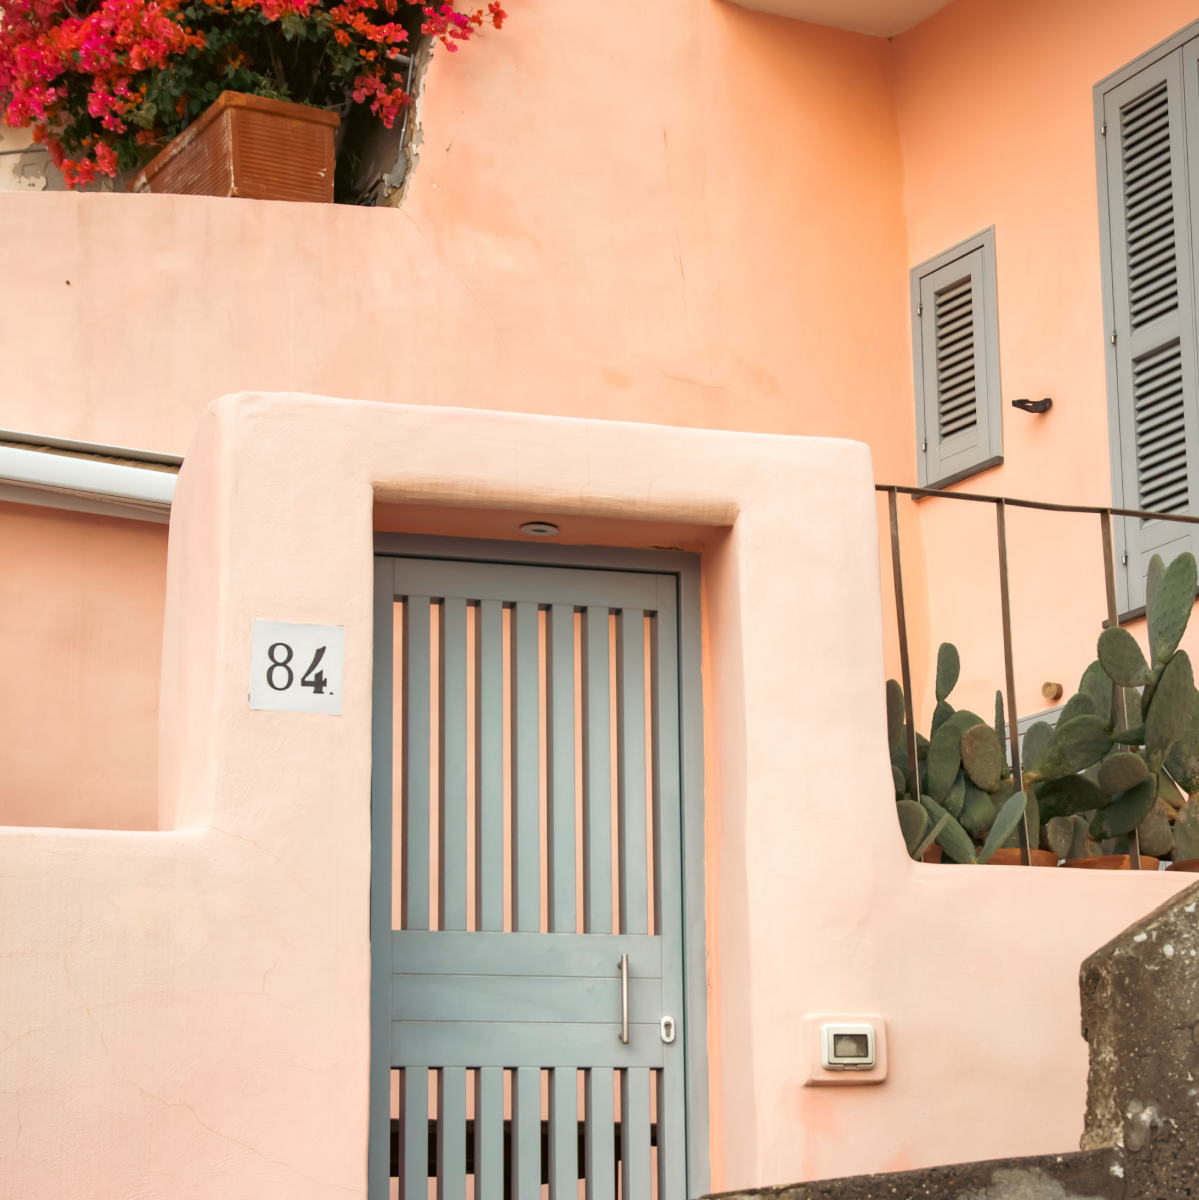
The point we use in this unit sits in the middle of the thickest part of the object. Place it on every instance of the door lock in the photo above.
(668, 1030)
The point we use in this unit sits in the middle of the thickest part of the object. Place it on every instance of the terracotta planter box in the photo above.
(1011, 858)
(1111, 862)
(1186, 864)
(250, 147)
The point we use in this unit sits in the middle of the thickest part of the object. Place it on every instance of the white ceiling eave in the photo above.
(82, 484)
(882, 18)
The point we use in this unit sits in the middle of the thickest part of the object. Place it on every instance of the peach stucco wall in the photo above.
(82, 599)
(678, 214)
(185, 1012)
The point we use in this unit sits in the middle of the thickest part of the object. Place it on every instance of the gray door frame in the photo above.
(685, 568)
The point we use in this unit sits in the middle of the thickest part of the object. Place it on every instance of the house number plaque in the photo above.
(296, 668)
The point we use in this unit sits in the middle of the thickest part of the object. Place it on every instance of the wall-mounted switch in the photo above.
(847, 1047)
(839, 1049)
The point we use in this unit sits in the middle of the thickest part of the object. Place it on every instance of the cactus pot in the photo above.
(1111, 862)
(1011, 858)
(251, 147)
(932, 854)
(1186, 864)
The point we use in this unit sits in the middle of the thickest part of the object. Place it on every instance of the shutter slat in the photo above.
(1160, 421)
(452, 843)
(489, 1133)
(1149, 207)
(526, 770)
(414, 813)
(489, 766)
(630, 750)
(957, 380)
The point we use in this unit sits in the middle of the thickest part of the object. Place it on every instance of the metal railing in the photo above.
(1002, 503)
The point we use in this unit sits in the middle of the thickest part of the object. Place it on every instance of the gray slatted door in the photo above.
(527, 776)
(1153, 314)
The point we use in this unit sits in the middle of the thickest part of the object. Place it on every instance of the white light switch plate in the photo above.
(814, 1075)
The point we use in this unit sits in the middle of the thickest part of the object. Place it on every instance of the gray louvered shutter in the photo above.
(1152, 292)
(957, 368)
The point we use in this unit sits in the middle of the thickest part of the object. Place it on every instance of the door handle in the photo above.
(624, 999)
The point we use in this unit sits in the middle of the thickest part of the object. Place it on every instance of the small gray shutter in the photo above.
(1152, 317)
(958, 420)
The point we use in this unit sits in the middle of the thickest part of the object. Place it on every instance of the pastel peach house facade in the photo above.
(656, 277)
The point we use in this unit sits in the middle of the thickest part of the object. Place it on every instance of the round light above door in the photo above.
(539, 529)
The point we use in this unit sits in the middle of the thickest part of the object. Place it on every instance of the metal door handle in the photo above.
(624, 999)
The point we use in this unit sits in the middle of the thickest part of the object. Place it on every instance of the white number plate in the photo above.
(296, 668)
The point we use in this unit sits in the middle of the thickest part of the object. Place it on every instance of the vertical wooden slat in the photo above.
(564, 1134)
(630, 759)
(489, 1133)
(451, 881)
(634, 1134)
(526, 1133)
(560, 766)
(451, 1133)
(599, 1136)
(489, 766)
(668, 887)
(414, 820)
(597, 775)
(414, 1134)
(379, 1155)
(526, 772)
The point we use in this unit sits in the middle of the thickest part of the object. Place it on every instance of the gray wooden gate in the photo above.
(528, 1020)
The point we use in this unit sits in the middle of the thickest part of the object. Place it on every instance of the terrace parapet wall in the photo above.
(1140, 1017)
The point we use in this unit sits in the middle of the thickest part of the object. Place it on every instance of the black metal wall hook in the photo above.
(1033, 406)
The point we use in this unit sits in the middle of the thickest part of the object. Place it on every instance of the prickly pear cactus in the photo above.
(1058, 836)
(982, 756)
(1183, 759)
(953, 839)
(949, 666)
(1072, 747)
(1119, 772)
(1065, 797)
(1170, 707)
(914, 823)
(895, 718)
(1168, 606)
(1186, 831)
(978, 813)
(1155, 833)
(1126, 811)
(1122, 659)
(944, 759)
(1079, 705)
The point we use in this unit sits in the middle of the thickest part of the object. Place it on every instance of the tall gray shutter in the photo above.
(958, 419)
(1153, 316)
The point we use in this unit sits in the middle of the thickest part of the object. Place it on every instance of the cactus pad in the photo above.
(953, 839)
(899, 780)
(1006, 822)
(956, 796)
(1122, 658)
(1000, 719)
(1183, 759)
(1065, 797)
(1096, 684)
(1170, 707)
(1079, 705)
(895, 723)
(1167, 791)
(1126, 812)
(914, 822)
(982, 756)
(948, 668)
(921, 746)
(964, 719)
(1186, 832)
(1169, 608)
(1130, 737)
(1154, 833)
(1073, 747)
(1119, 772)
(1082, 845)
(978, 813)
(944, 758)
(941, 714)
(1059, 836)
(1036, 738)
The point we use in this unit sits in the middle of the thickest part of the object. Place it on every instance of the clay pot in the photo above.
(1187, 864)
(251, 147)
(932, 854)
(1111, 862)
(1011, 858)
